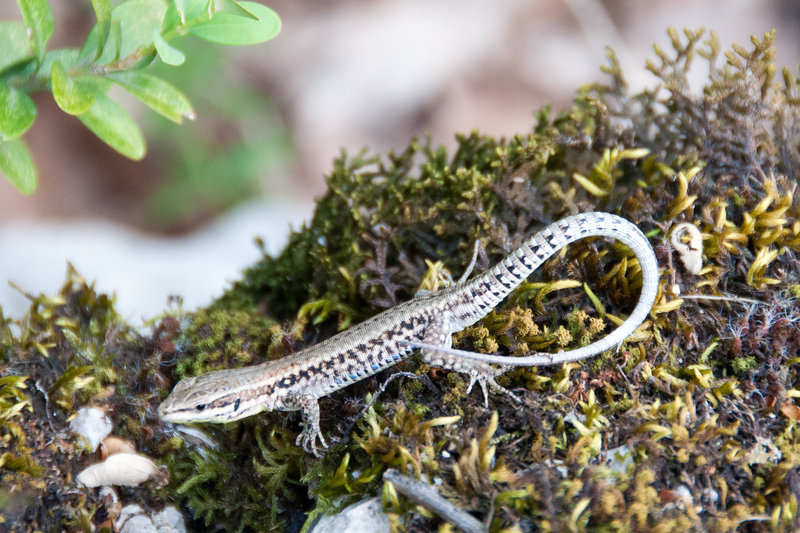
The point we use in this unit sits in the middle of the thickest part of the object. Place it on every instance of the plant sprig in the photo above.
(125, 41)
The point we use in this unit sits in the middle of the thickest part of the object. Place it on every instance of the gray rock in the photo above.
(134, 519)
(139, 524)
(169, 520)
(364, 517)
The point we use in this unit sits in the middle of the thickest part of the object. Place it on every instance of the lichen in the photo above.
(701, 400)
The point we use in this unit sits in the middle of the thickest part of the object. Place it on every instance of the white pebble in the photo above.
(128, 512)
(367, 515)
(91, 424)
(691, 254)
(139, 524)
(134, 519)
(169, 520)
(128, 469)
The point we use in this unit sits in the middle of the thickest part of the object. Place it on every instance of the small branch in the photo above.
(428, 497)
(734, 299)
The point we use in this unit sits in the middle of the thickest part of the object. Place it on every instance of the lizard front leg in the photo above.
(438, 333)
(309, 407)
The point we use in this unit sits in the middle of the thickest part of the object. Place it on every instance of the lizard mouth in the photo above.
(164, 412)
(172, 413)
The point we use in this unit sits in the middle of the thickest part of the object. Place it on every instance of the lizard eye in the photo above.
(236, 405)
(200, 406)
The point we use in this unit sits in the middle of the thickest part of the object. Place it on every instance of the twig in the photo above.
(428, 497)
(734, 299)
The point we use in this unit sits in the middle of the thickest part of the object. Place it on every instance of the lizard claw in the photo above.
(310, 408)
(486, 377)
(308, 437)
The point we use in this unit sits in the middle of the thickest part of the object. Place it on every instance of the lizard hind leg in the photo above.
(438, 334)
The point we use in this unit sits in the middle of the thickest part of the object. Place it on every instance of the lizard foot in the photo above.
(308, 437)
(484, 375)
(310, 409)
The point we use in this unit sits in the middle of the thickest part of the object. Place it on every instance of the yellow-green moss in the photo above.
(702, 398)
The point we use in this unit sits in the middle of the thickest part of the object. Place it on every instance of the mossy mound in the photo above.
(691, 425)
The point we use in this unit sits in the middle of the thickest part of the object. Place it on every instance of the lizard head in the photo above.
(220, 396)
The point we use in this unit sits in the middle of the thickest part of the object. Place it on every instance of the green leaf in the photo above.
(115, 127)
(102, 9)
(17, 165)
(228, 28)
(236, 8)
(14, 43)
(179, 15)
(180, 8)
(66, 56)
(156, 93)
(168, 54)
(38, 19)
(72, 97)
(136, 19)
(16, 113)
(116, 32)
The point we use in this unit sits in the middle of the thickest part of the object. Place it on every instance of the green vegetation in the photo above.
(691, 425)
(126, 40)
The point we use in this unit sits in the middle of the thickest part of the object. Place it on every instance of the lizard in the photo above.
(426, 322)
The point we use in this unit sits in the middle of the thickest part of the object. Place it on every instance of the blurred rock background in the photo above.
(270, 119)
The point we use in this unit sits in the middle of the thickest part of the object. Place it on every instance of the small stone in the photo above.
(169, 520)
(128, 469)
(127, 513)
(364, 516)
(112, 445)
(683, 496)
(91, 424)
(619, 459)
(134, 519)
(139, 524)
(691, 254)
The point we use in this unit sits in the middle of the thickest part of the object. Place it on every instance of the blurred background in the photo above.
(342, 75)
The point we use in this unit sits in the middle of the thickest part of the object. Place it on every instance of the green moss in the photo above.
(72, 350)
(226, 339)
(741, 365)
(702, 396)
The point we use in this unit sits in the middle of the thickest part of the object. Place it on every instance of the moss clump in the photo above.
(689, 394)
(72, 350)
(692, 424)
(226, 339)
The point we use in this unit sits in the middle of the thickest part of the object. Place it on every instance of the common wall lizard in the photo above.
(426, 322)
